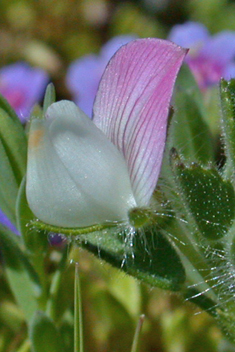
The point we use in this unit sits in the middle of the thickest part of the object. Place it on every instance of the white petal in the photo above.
(75, 176)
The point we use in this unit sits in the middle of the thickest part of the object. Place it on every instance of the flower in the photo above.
(6, 222)
(22, 86)
(210, 57)
(82, 172)
(84, 74)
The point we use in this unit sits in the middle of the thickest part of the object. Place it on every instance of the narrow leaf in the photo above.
(14, 141)
(200, 299)
(22, 278)
(78, 325)
(134, 347)
(5, 208)
(4, 105)
(227, 97)
(189, 132)
(57, 302)
(50, 97)
(8, 184)
(36, 241)
(13, 158)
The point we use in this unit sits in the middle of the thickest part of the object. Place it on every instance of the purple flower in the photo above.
(6, 222)
(210, 57)
(82, 172)
(84, 74)
(22, 86)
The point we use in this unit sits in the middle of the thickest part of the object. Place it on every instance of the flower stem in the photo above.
(137, 333)
(78, 326)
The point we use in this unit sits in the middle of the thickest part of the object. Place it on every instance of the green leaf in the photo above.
(58, 300)
(4, 105)
(14, 141)
(189, 132)
(227, 96)
(36, 241)
(44, 335)
(13, 148)
(186, 82)
(142, 252)
(22, 277)
(50, 97)
(145, 254)
(127, 292)
(6, 209)
(209, 199)
(8, 185)
(200, 299)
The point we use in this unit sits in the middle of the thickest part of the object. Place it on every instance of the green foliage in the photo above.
(134, 347)
(13, 158)
(36, 242)
(78, 319)
(50, 97)
(189, 132)
(44, 335)
(21, 275)
(227, 96)
(140, 252)
(209, 199)
(13, 138)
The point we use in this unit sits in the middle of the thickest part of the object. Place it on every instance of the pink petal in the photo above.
(132, 106)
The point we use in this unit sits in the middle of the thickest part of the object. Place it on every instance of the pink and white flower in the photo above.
(83, 172)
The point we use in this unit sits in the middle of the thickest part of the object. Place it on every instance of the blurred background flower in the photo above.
(210, 57)
(23, 86)
(6, 222)
(84, 74)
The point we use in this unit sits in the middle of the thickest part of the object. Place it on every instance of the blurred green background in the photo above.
(51, 34)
